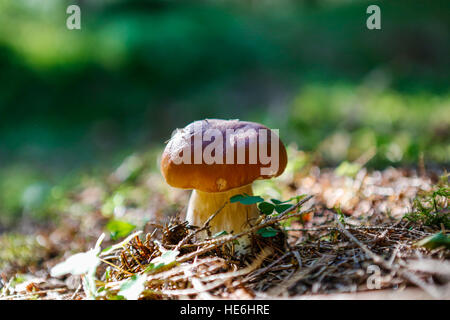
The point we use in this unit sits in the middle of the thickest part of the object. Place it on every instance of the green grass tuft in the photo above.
(431, 208)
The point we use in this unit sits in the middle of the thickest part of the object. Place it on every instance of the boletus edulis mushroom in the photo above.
(219, 159)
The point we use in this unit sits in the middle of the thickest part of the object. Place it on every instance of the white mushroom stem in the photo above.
(234, 217)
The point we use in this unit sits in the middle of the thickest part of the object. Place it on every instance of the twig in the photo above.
(76, 292)
(221, 241)
(265, 269)
(347, 227)
(34, 293)
(117, 267)
(385, 264)
(250, 268)
(300, 274)
(205, 226)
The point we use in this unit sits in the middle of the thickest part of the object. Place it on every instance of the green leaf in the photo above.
(297, 198)
(282, 207)
(246, 199)
(341, 215)
(266, 207)
(267, 232)
(119, 228)
(165, 259)
(435, 241)
(219, 234)
(132, 287)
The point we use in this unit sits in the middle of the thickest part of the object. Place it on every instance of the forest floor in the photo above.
(347, 233)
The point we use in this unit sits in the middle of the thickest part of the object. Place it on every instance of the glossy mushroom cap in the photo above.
(227, 171)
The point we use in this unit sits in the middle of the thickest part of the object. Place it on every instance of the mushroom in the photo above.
(219, 159)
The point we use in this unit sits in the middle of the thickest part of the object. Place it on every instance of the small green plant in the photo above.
(219, 234)
(272, 207)
(341, 215)
(85, 264)
(119, 228)
(267, 232)
(246, 199)
(268, 207)
(431, 208)
(435, 241)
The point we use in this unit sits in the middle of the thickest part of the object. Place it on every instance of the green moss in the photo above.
(19, 251)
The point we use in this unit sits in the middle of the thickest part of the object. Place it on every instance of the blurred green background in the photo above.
(77, 102)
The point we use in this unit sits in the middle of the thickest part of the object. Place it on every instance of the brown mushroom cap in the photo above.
(218, 177)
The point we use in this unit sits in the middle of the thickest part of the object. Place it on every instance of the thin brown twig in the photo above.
(204, 227)
(117, 267)
(265, 269)
(387, 265)
(221, 241)
(349, 227)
